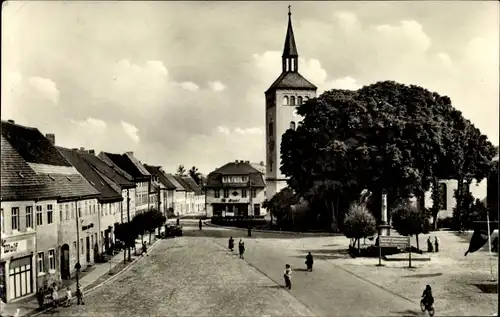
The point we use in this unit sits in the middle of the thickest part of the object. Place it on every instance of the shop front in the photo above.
(230, 209)
(17, 267)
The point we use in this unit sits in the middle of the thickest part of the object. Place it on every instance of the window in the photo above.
(49, 214)
(299, 100)
(292, 101)
(60, 213)
(52, 259)
(80, 212)
(39, 218)
(292, 125)
(95, 237)
(66, 206)
(226, 193)
(81, 246)
(216, 193)
(41, 263)
(86, 210)
(256, 209)
(285, 101)
(254, 193)
(15, 218)
(270, 128)
(94, 208)
(243, 193)
(72, 211)
(443, 204)
(2, 223)
(91, 241)
(74, 249)
(29, 217)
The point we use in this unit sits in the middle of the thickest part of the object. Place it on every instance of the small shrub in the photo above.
(359, 223)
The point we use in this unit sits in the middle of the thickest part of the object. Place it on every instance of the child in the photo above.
(288, 276)
(68, 297)
(79, 295)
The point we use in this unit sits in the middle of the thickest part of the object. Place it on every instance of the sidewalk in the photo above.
(29, 306)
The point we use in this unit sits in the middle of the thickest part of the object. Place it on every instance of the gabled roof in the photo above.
(32, 145)
(291, 80)
(192, 184)
(112, 172)
(124, 162)
(214, 179)
(60, 179)
(181, 181)
(107, 193)
(158, 172)
(171, 178)
(259, 166)
(137, 164)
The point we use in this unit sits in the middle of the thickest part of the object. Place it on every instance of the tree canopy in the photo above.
(280, 205)
(359, 223)
(385, 136)
(409, 220)
(195, 175)
(181, 170)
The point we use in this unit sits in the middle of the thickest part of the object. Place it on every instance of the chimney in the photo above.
(261, 163)
(248, 162)
(92, 152)
(236, 161)
(51, 137)
(130, 153)
(11, 121)
(82, 149)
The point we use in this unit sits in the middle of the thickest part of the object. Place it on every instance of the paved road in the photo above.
(329, 290)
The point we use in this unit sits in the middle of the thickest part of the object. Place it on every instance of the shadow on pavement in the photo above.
(424, 275)
(326, 254)
(300, 270)
(273, 286)
(191, 230)
(489, 288)
(409, 313)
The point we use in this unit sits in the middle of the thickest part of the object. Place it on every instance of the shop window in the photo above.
(15, 218)
(52, 259)
(49, 214)
(29, 217)
(40, 262)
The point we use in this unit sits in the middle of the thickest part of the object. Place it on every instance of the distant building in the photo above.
(188, 192)
(180, 195)
(235, 189)
(45, 203)
(167, 189)
(199, 195)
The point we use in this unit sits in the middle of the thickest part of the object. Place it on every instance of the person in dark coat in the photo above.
(436, 244)
(200, 224)
(231, 244)
(178, 221)
(249, 231)
(309, 262)
(429, 245)
(241, 247)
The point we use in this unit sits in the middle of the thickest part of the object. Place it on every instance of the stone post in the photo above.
(384, 231)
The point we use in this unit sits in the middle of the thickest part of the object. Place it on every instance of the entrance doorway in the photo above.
(65, 271)
(88, 249)
(20, 278)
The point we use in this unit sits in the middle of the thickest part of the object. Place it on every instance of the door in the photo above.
(20, 278)
(65, 262)
(88, 249)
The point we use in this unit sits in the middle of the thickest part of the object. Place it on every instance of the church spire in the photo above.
(290, 56)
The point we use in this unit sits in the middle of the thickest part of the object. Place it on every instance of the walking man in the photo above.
(200, 224)
(288, 276)
(241, 247)
(144, 248)
(436, 244)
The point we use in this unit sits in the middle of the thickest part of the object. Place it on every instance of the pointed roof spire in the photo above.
(290, 49)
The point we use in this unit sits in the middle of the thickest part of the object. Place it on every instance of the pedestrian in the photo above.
(436, 244)
(178, 221)
(249, 231)
(231, 244)
(144, 248)
(200, 224)
(79, 295)
(40, 297)
(429, 245)
(288, 276)
(309, 262)
(241, 247)
(68, 297)
(55, 296)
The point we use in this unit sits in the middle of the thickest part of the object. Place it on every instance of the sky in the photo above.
(183, 82)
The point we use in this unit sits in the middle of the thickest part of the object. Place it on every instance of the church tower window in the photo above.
(292, 101)
(299, 100)
(285, 101)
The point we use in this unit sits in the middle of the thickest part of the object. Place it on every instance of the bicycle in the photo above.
(429, 308)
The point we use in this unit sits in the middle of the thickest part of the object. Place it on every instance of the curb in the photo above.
(112, 278)
(295, 233)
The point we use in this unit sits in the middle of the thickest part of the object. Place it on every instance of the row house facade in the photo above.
(166, 189)
(140, 176)
(198, 194)
(180, 194)
(45, 202)
(235, 189)
(189, 194)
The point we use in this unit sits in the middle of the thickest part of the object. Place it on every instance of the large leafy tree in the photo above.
(280, 206)
(408, 220)
(383, 137)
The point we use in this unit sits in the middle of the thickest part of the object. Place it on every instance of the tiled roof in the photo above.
(50, 182)
(112, 172)
(137, 164)
(259, 166)
(106, 192)
(214, 179)
(124, 162)
(171, 178)
(181, 181)
(157, 171)
(32, 145)
(291, 80)
(192, 184)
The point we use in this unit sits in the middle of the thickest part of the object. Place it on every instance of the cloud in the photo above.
(131, 131)
(247, 131)
(90, 123)
(223, 130)
(189, 86)
(444, 59)
(216, 86)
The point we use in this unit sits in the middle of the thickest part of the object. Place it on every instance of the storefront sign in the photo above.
(233, 200)
(11, 248)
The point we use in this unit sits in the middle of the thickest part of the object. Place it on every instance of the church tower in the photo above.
(282, 98)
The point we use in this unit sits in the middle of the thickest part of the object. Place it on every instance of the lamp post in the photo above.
(77, 265)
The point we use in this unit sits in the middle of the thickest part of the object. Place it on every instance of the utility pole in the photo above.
(128, 217)
(77, 265)
(251, 193)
